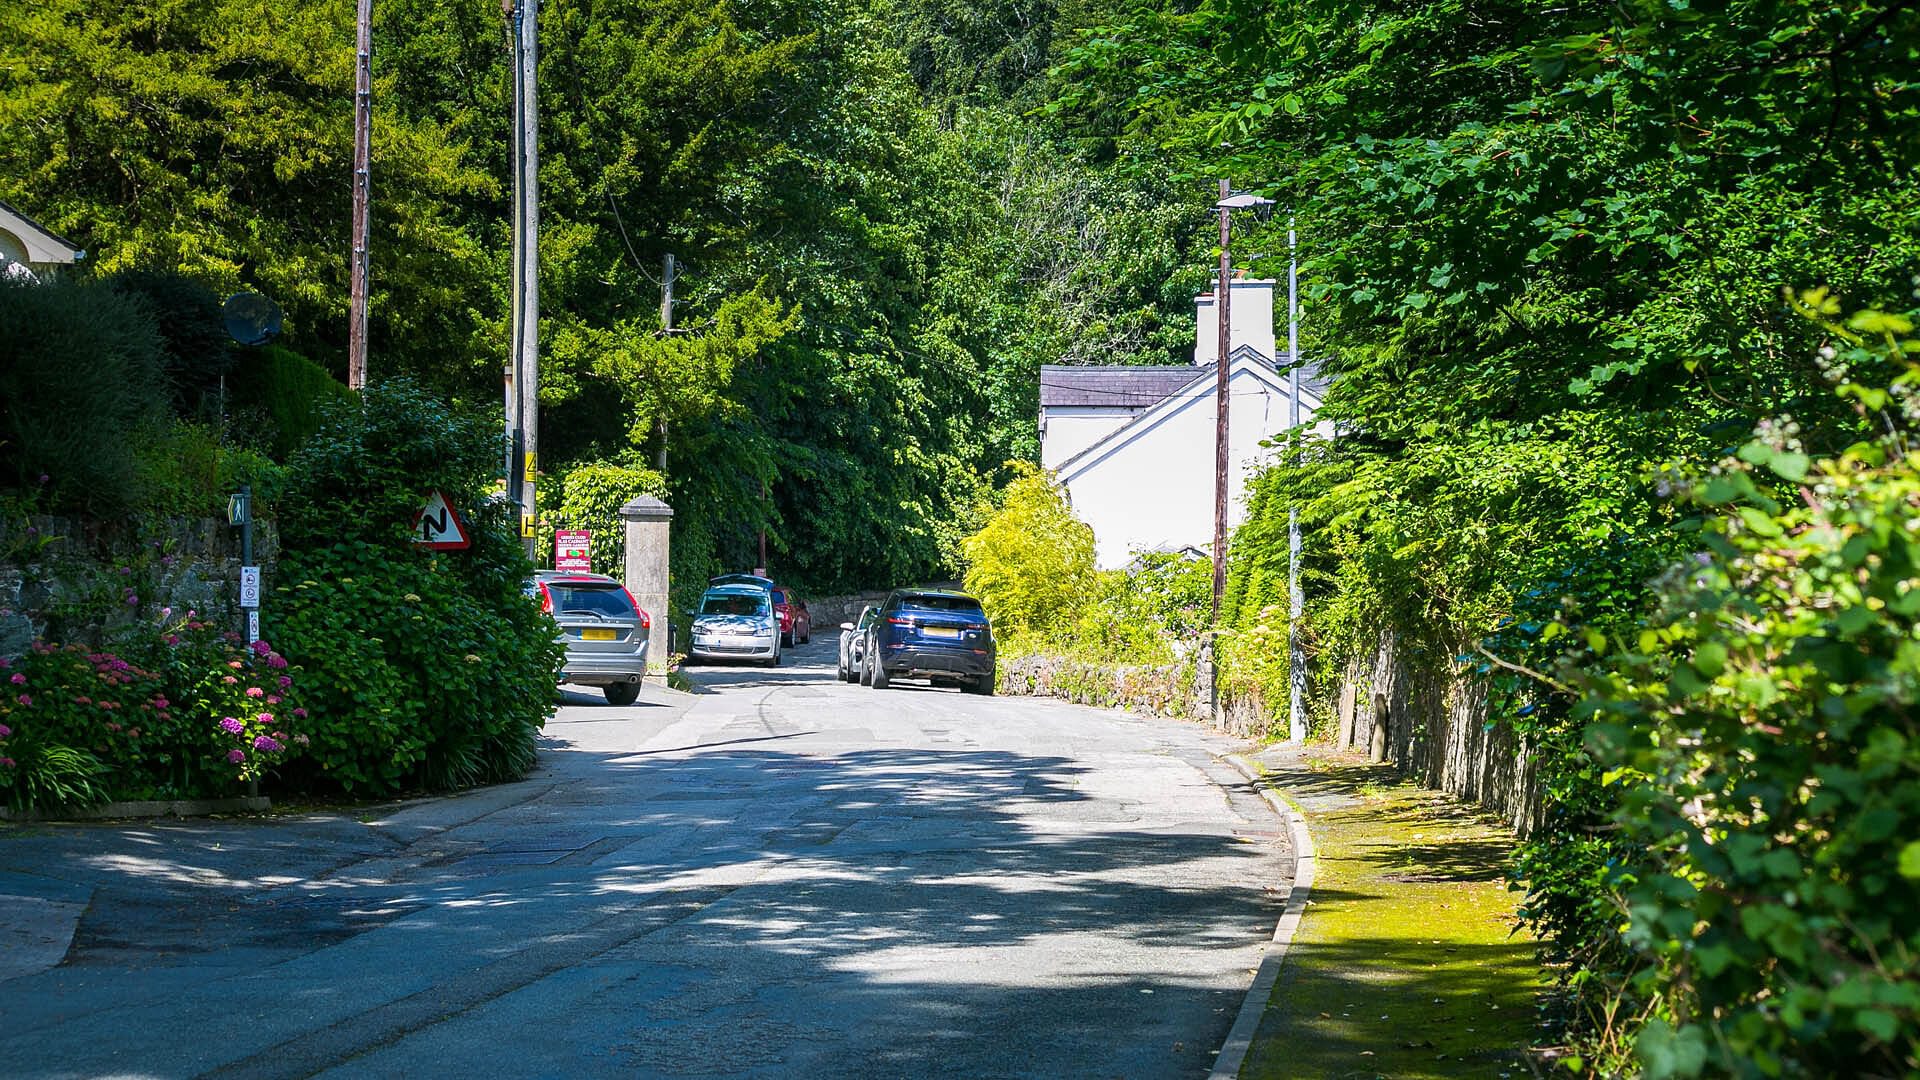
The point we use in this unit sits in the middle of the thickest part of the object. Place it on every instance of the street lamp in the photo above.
(1230, 200)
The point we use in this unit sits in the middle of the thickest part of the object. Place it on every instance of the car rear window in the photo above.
(960, 605)
(608, 600)
(734, 604)
(779, 597)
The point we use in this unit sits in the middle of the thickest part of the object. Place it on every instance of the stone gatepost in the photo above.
(648, 521)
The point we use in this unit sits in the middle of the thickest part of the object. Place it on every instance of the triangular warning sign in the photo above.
(437, 525)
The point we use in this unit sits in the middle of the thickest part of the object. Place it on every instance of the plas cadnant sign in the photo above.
(570, 549)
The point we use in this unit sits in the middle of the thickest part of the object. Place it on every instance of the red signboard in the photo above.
(570, 547)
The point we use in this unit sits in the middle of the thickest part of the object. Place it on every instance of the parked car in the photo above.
(932, 633)
(736, 622)
(852, 644)
(604, 630)
(796, 622)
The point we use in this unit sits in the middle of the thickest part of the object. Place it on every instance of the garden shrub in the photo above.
(182, 469)
(195, 347)
(428, 669)
(80, 374)
(176, 711)
(1031, 563)
(290, 393)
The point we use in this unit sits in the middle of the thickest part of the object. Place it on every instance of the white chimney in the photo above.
(1252, 313)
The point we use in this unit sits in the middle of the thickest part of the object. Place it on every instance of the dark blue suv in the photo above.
(933, 634)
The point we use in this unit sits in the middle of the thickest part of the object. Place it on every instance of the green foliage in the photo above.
(79, 377)
(196, 350)
(289, 392)
(426, 669)
(180, 711)
(181, 469)
(1031, 563)
(591, 497)
(1758, 733)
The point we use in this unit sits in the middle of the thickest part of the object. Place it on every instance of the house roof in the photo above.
(1121, 387)
(1312, 391)
(43, 244)
(1113, 385)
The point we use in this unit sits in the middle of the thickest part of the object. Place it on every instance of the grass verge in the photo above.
(1405, 964)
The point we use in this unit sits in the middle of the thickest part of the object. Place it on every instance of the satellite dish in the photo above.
(252, 319)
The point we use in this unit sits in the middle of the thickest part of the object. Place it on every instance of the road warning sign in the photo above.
(437, 525)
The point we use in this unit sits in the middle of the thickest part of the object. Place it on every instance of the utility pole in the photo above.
(1296, 599)
(362, 184)
(668, 272)
(1222, 307)
(523, 390)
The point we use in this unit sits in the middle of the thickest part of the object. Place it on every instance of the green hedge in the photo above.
(290, 393)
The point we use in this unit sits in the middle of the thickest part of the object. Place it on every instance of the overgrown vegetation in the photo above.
(427, 668)
(1544, 249)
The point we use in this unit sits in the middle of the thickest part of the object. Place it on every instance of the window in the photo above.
(734, 604)
(779, 597)
(962, 605)
(606, 600)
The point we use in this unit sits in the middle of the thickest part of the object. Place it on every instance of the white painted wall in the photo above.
(1156, 489)
(1252, 317)
(1065, 430)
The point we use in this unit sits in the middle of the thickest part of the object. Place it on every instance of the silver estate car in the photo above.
(736, 622)
(604, 630)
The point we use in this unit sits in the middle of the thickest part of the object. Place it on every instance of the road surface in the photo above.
(783, 876)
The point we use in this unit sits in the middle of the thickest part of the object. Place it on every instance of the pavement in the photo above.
(781, 876)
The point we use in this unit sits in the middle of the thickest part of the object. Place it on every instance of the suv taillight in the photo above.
(646, 623)
(546, 599)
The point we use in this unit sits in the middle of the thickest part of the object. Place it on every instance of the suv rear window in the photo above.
(964, 605)
(779, 596)
(608, 600)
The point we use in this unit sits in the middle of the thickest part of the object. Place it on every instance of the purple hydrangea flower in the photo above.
(286, 681)
(236, 756)
(232, 726)
(19, 679)
(5, 731)
(266, 743)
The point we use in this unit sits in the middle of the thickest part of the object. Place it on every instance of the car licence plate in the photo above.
(941, 632)
(599, 635)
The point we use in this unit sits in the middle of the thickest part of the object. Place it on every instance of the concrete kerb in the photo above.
(1233, 1052)
(245, 804)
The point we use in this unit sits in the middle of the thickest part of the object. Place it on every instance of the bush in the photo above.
(1031, 564)
(429, 669)
(591, 496)
(80, 373)
(1758, 735)
(195, 347)
(181, 711)
(288, 392)
(182, 469)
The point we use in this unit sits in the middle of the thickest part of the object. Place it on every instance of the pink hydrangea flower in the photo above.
(254, 691)
(18, 679)
(299, 714)
(229, 680)
(25, 699)
(266, 718)
(261, 648)
(273, 699)
(276, 661)
(236, 756)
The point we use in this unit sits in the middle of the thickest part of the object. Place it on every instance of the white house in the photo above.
(29, 249)
(1134, 446)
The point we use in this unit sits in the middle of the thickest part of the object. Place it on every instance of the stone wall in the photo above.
(1432, 723)
(64, 579)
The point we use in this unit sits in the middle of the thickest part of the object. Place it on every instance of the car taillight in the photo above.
(900, 620)
(546, 599)
(645, 622)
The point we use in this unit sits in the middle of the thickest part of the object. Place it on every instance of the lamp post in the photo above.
(1230, 201)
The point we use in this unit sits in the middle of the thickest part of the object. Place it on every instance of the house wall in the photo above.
(1065, 430)
(1155, 489)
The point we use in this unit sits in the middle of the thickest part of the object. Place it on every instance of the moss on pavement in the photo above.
(1405, 964)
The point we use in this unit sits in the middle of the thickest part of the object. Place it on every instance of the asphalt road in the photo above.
(786, 876)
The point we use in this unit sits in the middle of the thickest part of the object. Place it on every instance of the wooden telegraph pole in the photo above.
(1222, 302)
(362, 184)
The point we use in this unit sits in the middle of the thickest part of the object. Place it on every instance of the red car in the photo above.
(796, 623)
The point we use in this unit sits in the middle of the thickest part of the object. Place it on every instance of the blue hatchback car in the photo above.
(930, 633)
